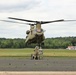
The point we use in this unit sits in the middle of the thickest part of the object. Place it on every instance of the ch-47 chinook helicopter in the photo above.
(36, 33)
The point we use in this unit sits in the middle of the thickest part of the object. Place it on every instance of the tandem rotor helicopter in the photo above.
(36, 33)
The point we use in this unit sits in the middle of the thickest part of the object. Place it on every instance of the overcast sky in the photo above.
(41, 10)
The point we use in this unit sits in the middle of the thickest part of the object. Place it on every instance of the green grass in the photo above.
(59, 53)
(28, 51)
(15, 52)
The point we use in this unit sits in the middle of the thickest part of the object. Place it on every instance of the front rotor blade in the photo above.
(42, 22)
(21, 19)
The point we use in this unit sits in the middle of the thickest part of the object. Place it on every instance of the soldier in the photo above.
(36, 52)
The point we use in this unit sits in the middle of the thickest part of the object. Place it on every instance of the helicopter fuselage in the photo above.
(35, 35)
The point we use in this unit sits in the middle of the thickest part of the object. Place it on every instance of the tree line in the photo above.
(60, 42)
(54, 43)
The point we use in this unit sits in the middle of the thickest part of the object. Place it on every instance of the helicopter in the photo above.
(36, 33)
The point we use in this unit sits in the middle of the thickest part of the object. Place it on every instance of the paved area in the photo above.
(47, 64)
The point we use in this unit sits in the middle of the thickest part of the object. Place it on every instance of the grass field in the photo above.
(28, 51)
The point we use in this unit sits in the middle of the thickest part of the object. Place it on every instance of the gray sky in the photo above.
(43, 10)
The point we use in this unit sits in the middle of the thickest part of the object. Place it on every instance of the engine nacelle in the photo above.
(27, 32)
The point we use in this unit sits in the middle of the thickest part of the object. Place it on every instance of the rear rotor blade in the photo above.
(21, 19)
(44, 22)
(61, 20)
(14, 22)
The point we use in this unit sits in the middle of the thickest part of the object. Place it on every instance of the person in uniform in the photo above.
(36, 52)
